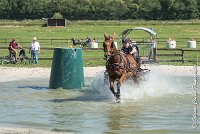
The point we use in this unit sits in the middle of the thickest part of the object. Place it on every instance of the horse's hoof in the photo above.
(118, 95)
(118, 100)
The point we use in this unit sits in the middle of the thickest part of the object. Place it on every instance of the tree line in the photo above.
(101, 9)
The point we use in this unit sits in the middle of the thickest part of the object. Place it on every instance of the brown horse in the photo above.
(118, 66)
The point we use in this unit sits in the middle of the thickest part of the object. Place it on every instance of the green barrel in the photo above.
(67, 69)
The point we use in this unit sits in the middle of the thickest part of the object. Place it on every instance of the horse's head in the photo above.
(108, 45)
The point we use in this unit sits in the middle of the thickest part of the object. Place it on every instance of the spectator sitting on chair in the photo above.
(95, 40)
(34, 49)
(88, 40)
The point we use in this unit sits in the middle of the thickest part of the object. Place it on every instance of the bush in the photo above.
(57, 16)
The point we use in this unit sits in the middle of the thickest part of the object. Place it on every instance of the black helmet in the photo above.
(123, 40)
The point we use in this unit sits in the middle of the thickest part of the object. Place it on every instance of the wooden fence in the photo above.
(170, 55)
(51, 42)
(176, 53)
(181, 55)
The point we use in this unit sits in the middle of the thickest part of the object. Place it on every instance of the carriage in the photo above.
(147, 46)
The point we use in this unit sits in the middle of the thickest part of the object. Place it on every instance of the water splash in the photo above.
(155, 84)
(101, 86)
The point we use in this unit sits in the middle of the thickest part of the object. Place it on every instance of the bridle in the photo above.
(108, 52)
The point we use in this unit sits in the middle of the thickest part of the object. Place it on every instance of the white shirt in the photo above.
(34, 46)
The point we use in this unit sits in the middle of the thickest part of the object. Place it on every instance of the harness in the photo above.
(119, 65)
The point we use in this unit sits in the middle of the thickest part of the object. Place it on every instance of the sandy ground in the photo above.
(17, 73)
(14, 73)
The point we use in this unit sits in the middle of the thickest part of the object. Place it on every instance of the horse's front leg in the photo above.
(105, 76)
(121, 79)
(118, 91)
(112, 86)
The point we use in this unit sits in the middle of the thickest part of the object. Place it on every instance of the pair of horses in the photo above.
(118, 66)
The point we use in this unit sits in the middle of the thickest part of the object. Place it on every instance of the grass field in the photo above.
(24, 31)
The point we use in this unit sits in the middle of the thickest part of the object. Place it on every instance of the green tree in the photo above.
(12, 9)
(191, 9)
(4, 9)
(198, 8)
(57, 16)
(132, 10)
(165, 6)
(180, 9)
(101, 9)
(149, 9)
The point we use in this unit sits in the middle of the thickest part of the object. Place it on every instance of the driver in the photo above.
(130, 48)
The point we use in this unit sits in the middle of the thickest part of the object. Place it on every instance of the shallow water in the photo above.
(160, 104)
